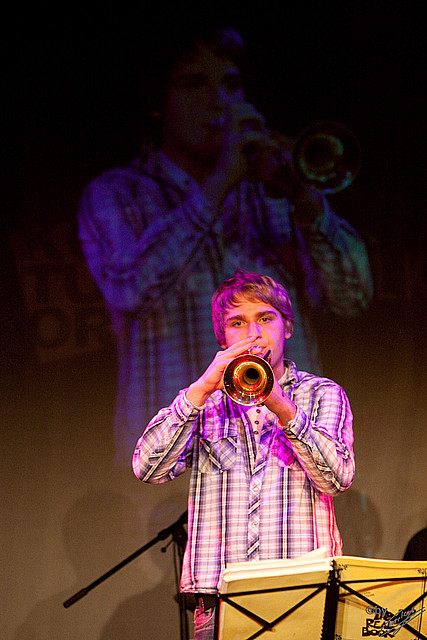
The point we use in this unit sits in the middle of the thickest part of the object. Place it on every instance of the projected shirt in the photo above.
(158, 249)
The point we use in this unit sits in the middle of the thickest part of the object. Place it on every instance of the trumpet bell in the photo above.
(248, 380)
(327, 156)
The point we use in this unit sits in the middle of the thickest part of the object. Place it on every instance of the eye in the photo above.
(233, 83)
(195, 82)
(190, 82)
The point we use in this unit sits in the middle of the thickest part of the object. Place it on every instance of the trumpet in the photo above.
(249, 379)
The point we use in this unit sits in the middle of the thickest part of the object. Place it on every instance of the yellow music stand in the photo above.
(319, 598)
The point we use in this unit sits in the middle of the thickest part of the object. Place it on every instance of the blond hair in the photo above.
(252, 287)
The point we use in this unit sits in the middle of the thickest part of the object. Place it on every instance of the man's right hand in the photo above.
(244, 127)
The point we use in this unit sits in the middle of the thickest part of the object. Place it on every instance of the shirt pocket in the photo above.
(219, 455)
(282, 451)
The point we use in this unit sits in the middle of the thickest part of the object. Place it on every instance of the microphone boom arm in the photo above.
(162, 535)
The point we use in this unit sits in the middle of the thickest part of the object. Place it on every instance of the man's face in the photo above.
(199, 92)
(262, 321)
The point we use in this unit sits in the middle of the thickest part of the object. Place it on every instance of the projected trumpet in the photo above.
(249, 379)
(326, 157)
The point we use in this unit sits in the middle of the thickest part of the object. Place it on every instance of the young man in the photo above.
(262, 477)
(161, 234)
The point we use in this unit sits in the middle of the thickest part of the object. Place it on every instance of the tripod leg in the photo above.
(331, 602)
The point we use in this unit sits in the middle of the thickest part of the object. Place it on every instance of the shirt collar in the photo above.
(158, 164)
(291, 373)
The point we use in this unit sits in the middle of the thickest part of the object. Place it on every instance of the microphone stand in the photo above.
(179, 536)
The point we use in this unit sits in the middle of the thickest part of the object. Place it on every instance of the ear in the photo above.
(288, 329)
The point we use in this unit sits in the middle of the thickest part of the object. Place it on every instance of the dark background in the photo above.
(72, 109)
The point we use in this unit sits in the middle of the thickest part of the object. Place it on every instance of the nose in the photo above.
(254, 330)
(218, 96)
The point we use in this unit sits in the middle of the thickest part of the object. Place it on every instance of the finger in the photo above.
(238, 349)
(244, 117)
(241, 345)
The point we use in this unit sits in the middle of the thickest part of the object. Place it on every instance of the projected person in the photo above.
(205, 198)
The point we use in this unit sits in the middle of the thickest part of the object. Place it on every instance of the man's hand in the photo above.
(211, 380)
(279, 403)
(272, 164)
(243, 129)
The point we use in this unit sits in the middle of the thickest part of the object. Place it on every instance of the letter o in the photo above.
(50, 327)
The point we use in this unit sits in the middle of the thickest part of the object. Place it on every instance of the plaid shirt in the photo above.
(250, 502)
(158, 250)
